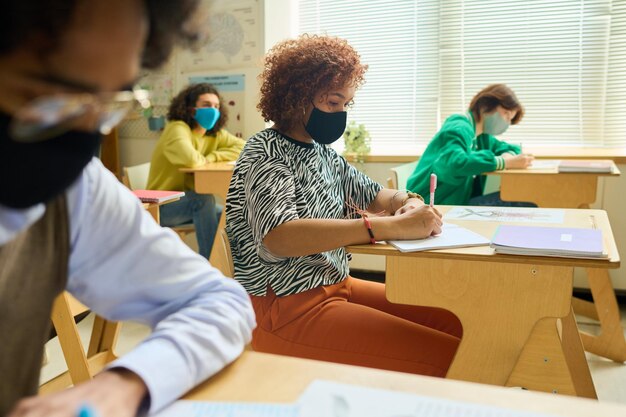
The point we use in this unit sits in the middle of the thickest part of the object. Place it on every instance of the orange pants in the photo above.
(352, 322)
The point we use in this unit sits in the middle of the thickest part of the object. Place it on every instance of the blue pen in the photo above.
(86, 410)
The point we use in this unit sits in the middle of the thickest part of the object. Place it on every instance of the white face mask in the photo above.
(494, 124)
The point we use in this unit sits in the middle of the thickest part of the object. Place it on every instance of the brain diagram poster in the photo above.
(232, 36)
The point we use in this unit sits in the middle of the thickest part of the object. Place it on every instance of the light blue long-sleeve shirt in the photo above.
(123, 266)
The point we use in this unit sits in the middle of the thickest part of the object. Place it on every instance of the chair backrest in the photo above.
(221, 256)
(136, 176)
(400, 175)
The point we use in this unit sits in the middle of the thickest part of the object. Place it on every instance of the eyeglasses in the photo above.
(49, 116)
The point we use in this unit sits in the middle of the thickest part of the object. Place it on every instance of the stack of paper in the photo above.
(582, 165)
(567, 242)
(157, 196)
(452, 236)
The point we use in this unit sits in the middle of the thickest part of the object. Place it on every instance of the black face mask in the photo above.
(33, 173)
(325, 128)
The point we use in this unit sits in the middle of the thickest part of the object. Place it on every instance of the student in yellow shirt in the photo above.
(194, 136)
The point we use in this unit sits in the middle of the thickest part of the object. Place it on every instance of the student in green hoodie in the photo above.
(466, 147)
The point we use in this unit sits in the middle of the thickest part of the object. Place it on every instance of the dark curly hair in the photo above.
(183, 106)
(493, 96)
(21, 21)
(296, 69)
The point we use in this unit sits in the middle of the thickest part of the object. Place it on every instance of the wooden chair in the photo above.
(136, 178)
(222, 256)
(82, 366)
(223, 260)
(400, 175)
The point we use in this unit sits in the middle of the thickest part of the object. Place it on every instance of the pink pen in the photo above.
(433, 187)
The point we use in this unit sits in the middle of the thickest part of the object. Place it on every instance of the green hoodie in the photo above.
(456, 155)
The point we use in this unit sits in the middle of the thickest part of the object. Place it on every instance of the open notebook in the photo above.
(568, 242)
(157, 196)
(452, 236)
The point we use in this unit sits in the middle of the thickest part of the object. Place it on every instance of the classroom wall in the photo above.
(137, 142)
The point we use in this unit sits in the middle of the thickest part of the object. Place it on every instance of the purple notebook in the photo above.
(549, 241)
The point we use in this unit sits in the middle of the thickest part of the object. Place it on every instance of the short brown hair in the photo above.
(184, 104)
(493, 96)
(296, 69)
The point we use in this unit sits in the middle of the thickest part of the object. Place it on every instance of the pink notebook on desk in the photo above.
(567, 242)
(157, 196)
(583, 165)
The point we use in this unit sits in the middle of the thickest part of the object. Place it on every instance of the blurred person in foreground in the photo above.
(66, 74)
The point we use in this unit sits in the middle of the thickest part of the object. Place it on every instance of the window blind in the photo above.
(565, 59)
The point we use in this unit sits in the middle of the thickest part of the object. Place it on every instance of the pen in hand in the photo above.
(433, 187)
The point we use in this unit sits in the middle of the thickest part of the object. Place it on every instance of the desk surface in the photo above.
(615, 172)
(573, 218)
(213, 166)
(260, 377)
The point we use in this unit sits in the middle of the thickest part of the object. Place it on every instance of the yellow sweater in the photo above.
(179, 147)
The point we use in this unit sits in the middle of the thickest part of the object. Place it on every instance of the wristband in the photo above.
(368, 225)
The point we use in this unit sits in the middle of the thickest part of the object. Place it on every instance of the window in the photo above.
(565, 59)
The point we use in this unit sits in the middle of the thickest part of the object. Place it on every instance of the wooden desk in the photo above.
(261, 377)
(549, 188)
(213, 178)
(154, 208)
(518, 328)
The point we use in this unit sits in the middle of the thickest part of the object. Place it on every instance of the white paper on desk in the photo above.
(452, 236)
(544, 164)
(506, 214)
(332, 399)
(185, 408)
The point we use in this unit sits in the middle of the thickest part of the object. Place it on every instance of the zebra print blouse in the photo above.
(278, 179)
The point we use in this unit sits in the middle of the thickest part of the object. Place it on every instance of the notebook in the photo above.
(157, 196)
(583, 165)
(452, 236)
(567, 242)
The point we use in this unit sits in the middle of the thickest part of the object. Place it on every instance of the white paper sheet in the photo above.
(331, 399)
(506, 214)
(184, 408)
(544, 164)
(452, 236)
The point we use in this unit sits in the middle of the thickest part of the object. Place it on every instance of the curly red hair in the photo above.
(296, 69)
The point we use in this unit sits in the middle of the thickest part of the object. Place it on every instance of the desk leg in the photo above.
(553, 360)
(498, 304)
(610, 343)
(153, 209)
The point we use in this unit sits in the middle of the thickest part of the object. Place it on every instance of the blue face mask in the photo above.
(495, 124)
(207, 117)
